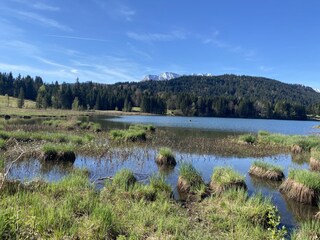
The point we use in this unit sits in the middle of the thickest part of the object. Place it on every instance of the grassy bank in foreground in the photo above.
(126, 209)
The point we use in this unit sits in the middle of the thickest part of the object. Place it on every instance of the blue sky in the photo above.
(110, 41)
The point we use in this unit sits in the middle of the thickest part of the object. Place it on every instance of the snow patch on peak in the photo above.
(162, 76)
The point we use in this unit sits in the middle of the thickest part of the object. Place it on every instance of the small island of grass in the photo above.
(166, 157)
(265, 170)
(302, 186)
(190, 180)
(55, 152)
(224, 178)
(315, 160)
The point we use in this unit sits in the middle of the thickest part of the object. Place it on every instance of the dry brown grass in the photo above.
(296, 149)
(267, 174)
(314, 164)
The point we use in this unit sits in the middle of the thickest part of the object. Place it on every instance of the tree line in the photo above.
(221, 96)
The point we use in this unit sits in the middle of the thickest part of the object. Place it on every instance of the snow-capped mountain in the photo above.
(171, 75)
(162, 76)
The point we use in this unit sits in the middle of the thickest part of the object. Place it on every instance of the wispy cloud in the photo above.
(46, 7)
(78, 38)
(150, 37)
(20, 46)
(42, 20)
(127, 13)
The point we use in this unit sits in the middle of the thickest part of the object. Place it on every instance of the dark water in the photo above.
(141, 160)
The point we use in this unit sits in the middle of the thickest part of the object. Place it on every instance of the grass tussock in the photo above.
(302, 186)
(307, 230)
(54, 152)
(190, 180)
(224, 178)
(134, 133)
(265, 170)
(124, 179)
(166, 157)
(73, 209)
(128, 135)
(315, 159)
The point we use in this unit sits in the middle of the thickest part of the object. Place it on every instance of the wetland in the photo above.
(203, 144)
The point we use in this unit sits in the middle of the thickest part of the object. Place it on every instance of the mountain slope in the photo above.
(235, 86)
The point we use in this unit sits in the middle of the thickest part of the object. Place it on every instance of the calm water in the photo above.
(222, 124)
(141, 160)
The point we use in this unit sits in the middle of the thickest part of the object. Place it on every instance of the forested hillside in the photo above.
(221, 96)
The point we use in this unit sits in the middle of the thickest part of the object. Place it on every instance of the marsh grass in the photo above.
(307, 230)
(73, 209)
(166, 157)
(131, 135)
(226, 175)
(248, 138)
(46, 136)
(52, 152)
(305, 177)
(265, 170)
(149, 127)
(2, 143)
(267, 166)
(124, 179)
(302, 186)
(190, 179)
(72, 124)
(224, 178)
(315, 159)
(305, 142)
(166, 152)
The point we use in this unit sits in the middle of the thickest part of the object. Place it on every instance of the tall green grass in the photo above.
(50, 137)
(226, 175)
(305, 177)
(307, 230)
(267, 166)
(73, 209)
(166, 152)
(306, 142)
(128, 135)
(192, 176)
(124, 179)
